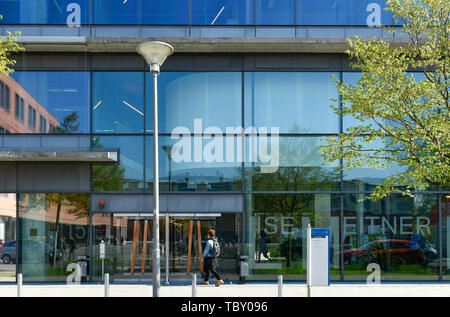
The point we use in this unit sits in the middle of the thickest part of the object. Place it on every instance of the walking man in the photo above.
(210, 254)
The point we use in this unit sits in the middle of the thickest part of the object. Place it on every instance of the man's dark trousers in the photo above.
(210, 266)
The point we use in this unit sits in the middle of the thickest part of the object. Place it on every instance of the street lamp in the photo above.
(168, 150)
(155, 53)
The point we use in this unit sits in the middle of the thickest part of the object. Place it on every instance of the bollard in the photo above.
(280, 285)
(19, 285)
(106, 282)
(194, 285)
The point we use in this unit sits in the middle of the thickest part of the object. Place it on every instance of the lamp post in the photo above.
(168, 150)
(155, 53)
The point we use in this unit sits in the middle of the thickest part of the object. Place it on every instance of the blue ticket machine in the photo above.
(318, 257)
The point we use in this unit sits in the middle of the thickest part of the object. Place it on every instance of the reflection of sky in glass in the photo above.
(195, 170)
(351, 78)
(222, 12)
(296, 102)
(275, 12)
(369, 174)
(118, 99)
(165, 12)
(60, 93)
(131, 153)
(116, 12)
(41, 11)
(182, 97)
(338, 12)
(204, 12)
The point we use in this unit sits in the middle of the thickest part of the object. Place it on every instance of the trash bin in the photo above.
(82, 267)
(243, 268)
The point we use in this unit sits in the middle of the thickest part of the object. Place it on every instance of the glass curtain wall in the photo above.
(129, 244)
(399, 233)
(54, 233)
(195, 12)
(8, 237)
(253, 133)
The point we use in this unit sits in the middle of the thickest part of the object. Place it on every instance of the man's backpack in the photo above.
(215, 252)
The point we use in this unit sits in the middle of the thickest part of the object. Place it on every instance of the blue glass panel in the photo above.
(275, 12)
(129, 175)
(342, 12)
(61, 98)
(215, 98)
(44, 11)
(365, 178)
(399, 233)
(296, 102)
(165, 12)
(118, 102)
(282, 163)
(222, 12)
(116, 12)
(186, 175)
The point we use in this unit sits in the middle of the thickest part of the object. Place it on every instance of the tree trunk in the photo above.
(55, 240)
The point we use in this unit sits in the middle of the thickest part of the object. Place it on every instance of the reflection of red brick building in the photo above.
(20, 112)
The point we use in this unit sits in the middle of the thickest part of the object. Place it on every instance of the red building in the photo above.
(20, 112)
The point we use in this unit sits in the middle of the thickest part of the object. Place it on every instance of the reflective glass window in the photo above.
(54, 234)
(288, 164)
(365, 178)
(295, 102)
(212, 98)
(222, 12)
(445, 205)
(186, 167)
(126, 176)
(8, 241)
(274, 12)
(352, 12)
(128, 243)
(165, 12)
(116, 12)
(278, 233)
(45, 11)
(61, 98)
(118, 102)
(398, 233)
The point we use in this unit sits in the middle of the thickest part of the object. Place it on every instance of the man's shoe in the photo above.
(205, 283)
(219, 282)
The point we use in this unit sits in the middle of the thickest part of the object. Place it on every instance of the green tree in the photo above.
(69, 124)
(8, 47)
(403, 119)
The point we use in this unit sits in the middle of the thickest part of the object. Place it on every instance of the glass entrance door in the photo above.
(129, 244)
(184, 232)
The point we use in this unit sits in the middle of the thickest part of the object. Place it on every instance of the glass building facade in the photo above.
(238, 120)
(193, 12)
(239, 137)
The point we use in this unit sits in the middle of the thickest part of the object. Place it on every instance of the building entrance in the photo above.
(129, 244)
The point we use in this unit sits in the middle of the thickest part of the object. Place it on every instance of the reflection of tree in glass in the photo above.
(299, 169)
(107, 177)
(69, 124)
(75, 204)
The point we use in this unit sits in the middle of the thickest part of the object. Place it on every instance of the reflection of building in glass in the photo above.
(21, 113)
(7, 217)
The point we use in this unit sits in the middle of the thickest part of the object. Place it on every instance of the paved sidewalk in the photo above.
(232, 290)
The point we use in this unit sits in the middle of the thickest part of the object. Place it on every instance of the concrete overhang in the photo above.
(96, 156)
(233, 44)
(195, 44)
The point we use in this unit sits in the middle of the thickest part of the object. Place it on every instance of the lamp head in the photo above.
(155, 53)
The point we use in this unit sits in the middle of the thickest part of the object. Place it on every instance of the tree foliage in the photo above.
(403, 116)
(8, 47)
